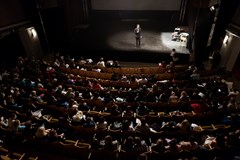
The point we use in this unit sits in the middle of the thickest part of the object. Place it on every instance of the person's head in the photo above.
(138, 25)
(159, 142)
(129, 140)
(137, 140)
(108, 139)
(184, 93)
(114, 107)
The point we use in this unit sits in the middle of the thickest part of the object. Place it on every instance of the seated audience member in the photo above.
(140, 145)
(170, 126)
(190, 145)
(155, 128)
(89, 61)
(18, 126)
(11, 103)
(142, 110)
(101, 62)
(78, 118)
(38, 115)
(184, 125)
(209, 142)
(4, 122)
(42, 132)
(233, 138)
(69, 94)
(83, 106)
(116, 64)
(37, 98)
(232, 105)
(128, 144)
(158, 147)
(233, 93)
(172, 146)
(96, 69)
(127, 126)
(96, 85)
(184, 97)
(101, 124)
(109, 144)
(195, 75)
(14, 124)
(108, 97)
(54, 136)
(128, 112)
(163, 97)
(142, 127)
(89, 123)
(143, 79)
(173, 97)
(82, 61)
(150, 97)
(195, 96)
(114, 110)
(176, 113)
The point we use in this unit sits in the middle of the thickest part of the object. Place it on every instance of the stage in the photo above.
(116, 40)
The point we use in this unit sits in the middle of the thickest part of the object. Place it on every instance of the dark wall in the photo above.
(10, 48)
(11, 12)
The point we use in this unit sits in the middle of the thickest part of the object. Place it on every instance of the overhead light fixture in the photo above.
(214, 7)
(32, 32)
(225, 40)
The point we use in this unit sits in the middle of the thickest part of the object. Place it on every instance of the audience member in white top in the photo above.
(101, 62)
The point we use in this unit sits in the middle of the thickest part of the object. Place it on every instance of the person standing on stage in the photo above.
(138, 35)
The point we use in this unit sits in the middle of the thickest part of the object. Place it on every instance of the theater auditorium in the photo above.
(120, 79)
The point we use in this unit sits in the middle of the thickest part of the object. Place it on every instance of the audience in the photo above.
(76, 95)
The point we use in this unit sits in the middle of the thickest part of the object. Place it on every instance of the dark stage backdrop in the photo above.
(150, 5)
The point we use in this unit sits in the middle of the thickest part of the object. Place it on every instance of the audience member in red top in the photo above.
(96, 85)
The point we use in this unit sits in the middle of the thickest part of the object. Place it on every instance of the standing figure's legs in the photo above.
(138, 43)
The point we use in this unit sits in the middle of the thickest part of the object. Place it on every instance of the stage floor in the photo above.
(116, 40)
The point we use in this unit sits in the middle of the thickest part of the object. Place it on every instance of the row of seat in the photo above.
(81, 150)
(7, 154)
(108, 76)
